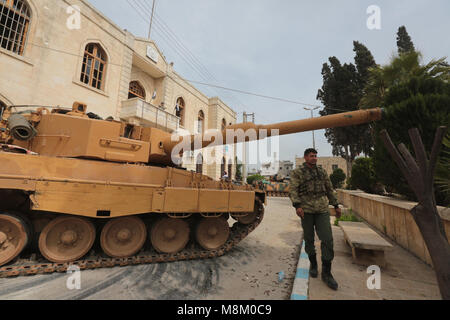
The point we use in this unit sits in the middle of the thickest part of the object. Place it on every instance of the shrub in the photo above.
(255, 177)
(347, 216)
(363, 175)
(337, 178)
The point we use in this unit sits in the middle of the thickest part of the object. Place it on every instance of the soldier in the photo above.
(311, 191)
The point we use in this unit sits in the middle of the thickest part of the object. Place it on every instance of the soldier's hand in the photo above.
(300, 213)
(338, 213)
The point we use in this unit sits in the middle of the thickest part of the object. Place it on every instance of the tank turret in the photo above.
(75, 135)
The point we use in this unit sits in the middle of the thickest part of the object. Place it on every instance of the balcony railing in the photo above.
(145, 114)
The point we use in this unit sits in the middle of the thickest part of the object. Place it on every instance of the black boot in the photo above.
(313, 272)
(327, 277)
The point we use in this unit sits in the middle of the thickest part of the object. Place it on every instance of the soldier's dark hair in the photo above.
(310, 150)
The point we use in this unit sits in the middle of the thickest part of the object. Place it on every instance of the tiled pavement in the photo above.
(404, 278)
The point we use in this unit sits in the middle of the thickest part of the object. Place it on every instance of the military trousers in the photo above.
(321, 223)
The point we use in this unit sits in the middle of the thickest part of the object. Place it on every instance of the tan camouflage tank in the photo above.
(97, 193)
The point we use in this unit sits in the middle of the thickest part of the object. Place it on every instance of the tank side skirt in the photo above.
(122, 199)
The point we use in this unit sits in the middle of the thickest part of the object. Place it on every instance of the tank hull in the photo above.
(58, 185)
(61, 208)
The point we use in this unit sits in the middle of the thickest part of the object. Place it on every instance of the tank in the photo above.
(276, 188)
(94, 193)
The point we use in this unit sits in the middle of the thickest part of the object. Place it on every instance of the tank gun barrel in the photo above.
(282, 128)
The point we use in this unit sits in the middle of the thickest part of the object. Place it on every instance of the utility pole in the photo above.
(151, 20)
(244, 153)
(312, 116)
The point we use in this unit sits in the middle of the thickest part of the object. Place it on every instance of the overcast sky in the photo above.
(277, 48)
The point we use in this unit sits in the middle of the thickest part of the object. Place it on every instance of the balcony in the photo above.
(139, 112)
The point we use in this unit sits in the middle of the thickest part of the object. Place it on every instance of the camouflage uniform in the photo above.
(311, 190)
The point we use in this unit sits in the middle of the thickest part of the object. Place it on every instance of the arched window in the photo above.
(179, 110)
(2, 107)
(224, 124)
(136, 90)
(94, 66)
(222, 167)
(200, 122)
(199, 164)
(15, 16)
(230, 169)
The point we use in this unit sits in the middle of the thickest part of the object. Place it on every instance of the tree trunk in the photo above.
(437, 245)
(420, 176)
(348, 162)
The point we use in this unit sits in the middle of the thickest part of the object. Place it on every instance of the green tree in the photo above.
(343, 88)
(238, 171)
(337, 178)
(363, 62)
(442, 177)
(363, 175)
(255, 177)
(400, 70)
(404, 42)
(423, 103)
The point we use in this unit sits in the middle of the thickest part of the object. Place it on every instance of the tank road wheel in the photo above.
(13, 237)
(169, 235)
(252, 216)
(212, 233)
(248, 219)
(123, 237)
(66, 239)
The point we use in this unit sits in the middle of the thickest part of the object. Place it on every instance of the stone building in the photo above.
(285, 169)
(280, 169)
(328, 163)
(55, 52)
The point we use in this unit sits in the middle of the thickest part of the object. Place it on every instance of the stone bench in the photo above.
(367, 246)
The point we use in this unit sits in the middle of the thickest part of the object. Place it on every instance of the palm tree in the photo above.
(400, 70)
(442, 176)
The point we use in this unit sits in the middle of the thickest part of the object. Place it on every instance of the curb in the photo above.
(301, 282)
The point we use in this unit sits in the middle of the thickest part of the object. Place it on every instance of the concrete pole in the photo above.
(244, 166)
(244, 156)
(312, 116)
(151, 20)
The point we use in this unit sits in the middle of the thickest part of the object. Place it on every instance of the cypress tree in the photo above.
(343, 86)
(404, 42)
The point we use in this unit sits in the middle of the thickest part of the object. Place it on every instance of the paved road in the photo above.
(249, 271)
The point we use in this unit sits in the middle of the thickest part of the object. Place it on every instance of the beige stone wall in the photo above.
(49, 71)
(140, 48)
(326, 163)
(392, 217)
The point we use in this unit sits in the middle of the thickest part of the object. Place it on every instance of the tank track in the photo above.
(29, 267)
(278, 194)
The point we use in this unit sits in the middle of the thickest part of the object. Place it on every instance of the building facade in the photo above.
(56, 52)
(285, 170)
(328, 163)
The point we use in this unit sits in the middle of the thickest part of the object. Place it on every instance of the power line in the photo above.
(255, 94)
(182, 49)
(207, 75)
(163, 35)
(201, 83)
